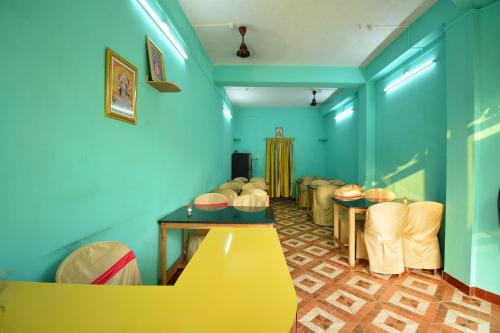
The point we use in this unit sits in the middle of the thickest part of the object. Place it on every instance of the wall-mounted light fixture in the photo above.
(344, 114)
(227, 112)
(163, 27)
(408, 75)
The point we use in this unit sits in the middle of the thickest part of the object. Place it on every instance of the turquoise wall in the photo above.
(342, 151)
(486, 236)
(410, 131)
(69, 174)
(252, 126)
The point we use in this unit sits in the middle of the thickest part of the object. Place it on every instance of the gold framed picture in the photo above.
(279, 132)
(156, 65)
(121, 88)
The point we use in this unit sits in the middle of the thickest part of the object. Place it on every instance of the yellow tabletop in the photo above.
(237, 281)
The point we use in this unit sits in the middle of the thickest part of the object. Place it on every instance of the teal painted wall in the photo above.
(410, 139)
(69, 174)
(461, 76)
(252, 126)
(486, 236)
(342, 150)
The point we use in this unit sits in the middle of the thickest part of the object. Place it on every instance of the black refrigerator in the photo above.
(241, 165)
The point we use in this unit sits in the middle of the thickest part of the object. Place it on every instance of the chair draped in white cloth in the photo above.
(240, 179)
(420, 242)
(249, 200)
(100, 263)
(316, 182)
(235, 186)
(259, 185)
(257, 180)
(381, 242)
(348, 192)
(336, 182)
(303, 191)
(207, 201)
(229, 194)
(323, 214)
(380, 195)
(256, 191)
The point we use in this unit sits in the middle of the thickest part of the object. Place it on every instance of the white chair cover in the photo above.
(100, 263)
(259, 185)
(258, 192)
(303, 191)
(235, 186)
(210, 199)
(249, 200)
(336, 182)
(240, 179)
(382, 239)
(197, 236)
(320, 182)
(257, 179)
(420, 242)
(380, 195)
(323, 214)
(229, 194)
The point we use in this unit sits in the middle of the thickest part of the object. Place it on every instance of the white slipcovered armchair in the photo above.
(323, 214)
(381, 242)
(420, 242)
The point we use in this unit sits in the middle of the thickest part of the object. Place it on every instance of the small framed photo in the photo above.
(121, 88)
(279, 132)
(156, 65)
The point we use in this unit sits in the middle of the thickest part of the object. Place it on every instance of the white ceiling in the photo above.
(275, 97)
(301, 32)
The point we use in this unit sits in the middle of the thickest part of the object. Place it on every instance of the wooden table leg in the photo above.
(163, 255)
(336, 234)
(308, 207)
(352, 237)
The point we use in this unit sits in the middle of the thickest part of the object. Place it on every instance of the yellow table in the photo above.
(237, 281)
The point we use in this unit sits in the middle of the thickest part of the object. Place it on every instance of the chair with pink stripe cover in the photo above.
(207, 201)
(100, 263)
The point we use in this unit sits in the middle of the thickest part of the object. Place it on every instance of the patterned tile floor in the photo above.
(334, 297)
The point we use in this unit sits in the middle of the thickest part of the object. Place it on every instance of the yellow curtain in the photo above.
(279, 166)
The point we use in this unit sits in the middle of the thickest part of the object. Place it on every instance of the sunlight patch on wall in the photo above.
(412, 186)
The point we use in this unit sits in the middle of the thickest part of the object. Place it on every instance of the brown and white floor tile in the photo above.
(332, 296)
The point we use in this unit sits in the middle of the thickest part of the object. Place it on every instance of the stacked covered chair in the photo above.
(100, 263)
(207, 201)
(379, 195)
(240, 179)
(250, 200)
(323, 214)
(303, 191)
(336, 182)
(259, 185)
(234, 186)
(316, 182)
(257, 180)
(420, 242)
(381, 242)
(229, 194)
(256, 191)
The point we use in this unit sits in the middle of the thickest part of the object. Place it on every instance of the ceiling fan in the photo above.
(314, 102)
(243, 51)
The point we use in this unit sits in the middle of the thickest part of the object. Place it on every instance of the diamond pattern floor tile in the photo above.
(335, 297)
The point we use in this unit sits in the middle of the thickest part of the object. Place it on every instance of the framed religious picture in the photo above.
(121, 88)
(156, 65)
(279, 132)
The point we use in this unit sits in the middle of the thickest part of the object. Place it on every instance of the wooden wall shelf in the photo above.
(164, 86)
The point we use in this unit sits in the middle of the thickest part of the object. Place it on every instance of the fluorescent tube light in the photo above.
(344, 114)
(227, 113)
(163, 27)
(408, 75)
